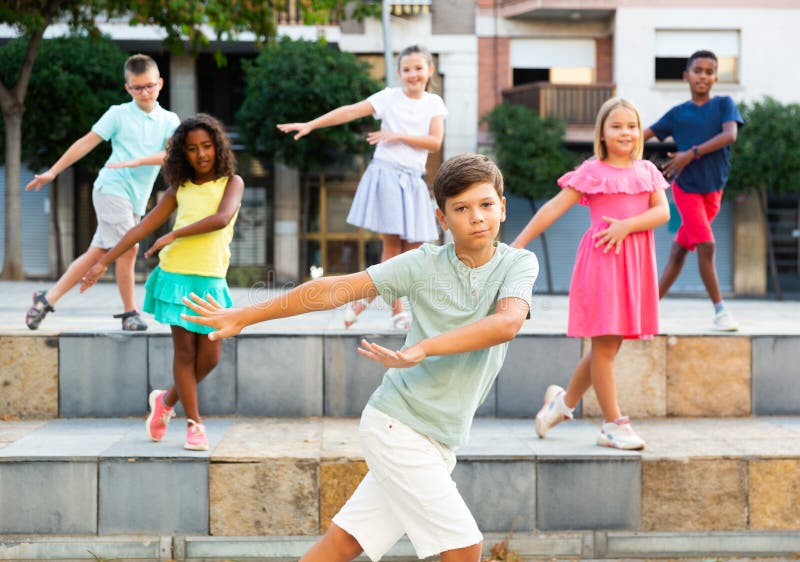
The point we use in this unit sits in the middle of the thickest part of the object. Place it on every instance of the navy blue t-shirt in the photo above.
(691, 125)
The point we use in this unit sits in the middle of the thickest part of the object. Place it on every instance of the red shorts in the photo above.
(697, 211)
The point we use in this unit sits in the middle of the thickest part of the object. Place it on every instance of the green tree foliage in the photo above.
(766, 159)
(75, 79)
(529, 149)
(296, 81)
(766, 154)
(184, 22)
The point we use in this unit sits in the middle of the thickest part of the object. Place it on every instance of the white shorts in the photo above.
(408, 490)
(115, 217)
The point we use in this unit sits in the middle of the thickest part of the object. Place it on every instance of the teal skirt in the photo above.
(164, 292)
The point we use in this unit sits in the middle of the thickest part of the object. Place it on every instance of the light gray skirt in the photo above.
(392, 199)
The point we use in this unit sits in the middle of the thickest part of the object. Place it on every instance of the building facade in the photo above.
(560, 57)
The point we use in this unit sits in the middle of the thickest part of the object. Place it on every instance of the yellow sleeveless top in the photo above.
(206, 254)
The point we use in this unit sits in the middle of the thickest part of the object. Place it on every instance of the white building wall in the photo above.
(767, 55)
(458, 63)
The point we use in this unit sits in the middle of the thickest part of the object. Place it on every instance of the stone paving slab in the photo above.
(92, 311)
(257, 439)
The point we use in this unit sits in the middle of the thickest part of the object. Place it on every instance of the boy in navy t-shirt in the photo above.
(703, 129)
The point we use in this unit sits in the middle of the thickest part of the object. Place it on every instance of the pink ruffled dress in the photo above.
(614, 294)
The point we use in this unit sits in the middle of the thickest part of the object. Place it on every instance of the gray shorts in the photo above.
(115, 217)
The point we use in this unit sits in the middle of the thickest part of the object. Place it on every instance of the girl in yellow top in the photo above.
(200, 170)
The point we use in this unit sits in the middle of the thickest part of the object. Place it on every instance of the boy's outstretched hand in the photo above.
(213, 315)
(398, 359)
(91, 276)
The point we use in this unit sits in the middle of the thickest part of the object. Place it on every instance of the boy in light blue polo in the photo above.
(138, 131)
(469, 299)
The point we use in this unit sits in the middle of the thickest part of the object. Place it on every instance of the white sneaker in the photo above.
(724, 322)
(553, 411)
(619, 435)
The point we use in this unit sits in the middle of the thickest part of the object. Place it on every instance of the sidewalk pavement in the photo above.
(93, 310)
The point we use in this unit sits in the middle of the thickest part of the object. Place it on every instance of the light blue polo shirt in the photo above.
(133, 133)
(439, 396)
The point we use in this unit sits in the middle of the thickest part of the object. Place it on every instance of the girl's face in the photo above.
(621, 134)
(414, 73)
(201, 154)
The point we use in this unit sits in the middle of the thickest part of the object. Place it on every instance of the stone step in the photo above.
(279, 477)
(585, 545)
(296, 372)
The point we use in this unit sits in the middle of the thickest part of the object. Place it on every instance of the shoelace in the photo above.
(166, 416)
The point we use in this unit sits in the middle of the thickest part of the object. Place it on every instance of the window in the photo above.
(673, 48)
(558, 61)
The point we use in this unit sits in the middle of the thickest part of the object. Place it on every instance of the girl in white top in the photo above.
(392, 198)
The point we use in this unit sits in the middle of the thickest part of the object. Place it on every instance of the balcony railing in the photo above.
(573, 104)
(291, 13)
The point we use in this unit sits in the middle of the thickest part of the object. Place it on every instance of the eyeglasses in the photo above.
(146, 87)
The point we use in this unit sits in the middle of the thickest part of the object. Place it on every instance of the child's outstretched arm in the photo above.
(656, 215)
(75, 152)
(156, 159)
(679, 160)
(547, 215)
(432, 142)
(497, 328)
(150, 222)
(319, 294)
(340, 115)
(230, 203)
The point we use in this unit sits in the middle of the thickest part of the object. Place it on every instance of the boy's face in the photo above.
(701, 75)
(144, 88)
(473, 217)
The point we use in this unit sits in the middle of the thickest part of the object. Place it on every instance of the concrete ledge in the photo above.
(597, 545)
(689, 545)
(119, 548)
(320, 373)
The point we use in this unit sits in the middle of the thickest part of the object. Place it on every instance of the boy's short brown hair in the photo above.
(463, 170)
(139, 64)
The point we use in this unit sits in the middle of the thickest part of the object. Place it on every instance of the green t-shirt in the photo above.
(133, 134)
(439, 396)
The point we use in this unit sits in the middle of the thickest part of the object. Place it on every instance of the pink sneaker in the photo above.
(196, 439)
(159, 416)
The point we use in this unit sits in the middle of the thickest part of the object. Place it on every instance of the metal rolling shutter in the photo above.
(35, 225)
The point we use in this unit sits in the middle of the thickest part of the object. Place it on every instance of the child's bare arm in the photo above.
(547, 215)
(679, 160)
(156, 159)
(150, 222)
(432, 142)
(338, 116)
(231, 200)
(75, 152)
(495, 329)
(319, 294)
(656, 215)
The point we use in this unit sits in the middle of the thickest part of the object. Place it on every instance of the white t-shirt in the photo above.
(408, 116)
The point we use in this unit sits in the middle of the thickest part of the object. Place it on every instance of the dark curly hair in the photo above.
(176, 167)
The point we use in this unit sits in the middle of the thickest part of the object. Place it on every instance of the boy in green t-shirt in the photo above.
(469, 299)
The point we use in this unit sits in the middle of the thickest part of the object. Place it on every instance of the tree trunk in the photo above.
(773, 268)
(12, 256)
(545, 251)
(13, 104)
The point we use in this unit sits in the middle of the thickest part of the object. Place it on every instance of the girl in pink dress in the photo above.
(614, 290)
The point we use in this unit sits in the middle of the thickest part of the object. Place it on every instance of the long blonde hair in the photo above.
(600, 150)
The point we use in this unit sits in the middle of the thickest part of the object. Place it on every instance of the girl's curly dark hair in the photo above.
(176, 167)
